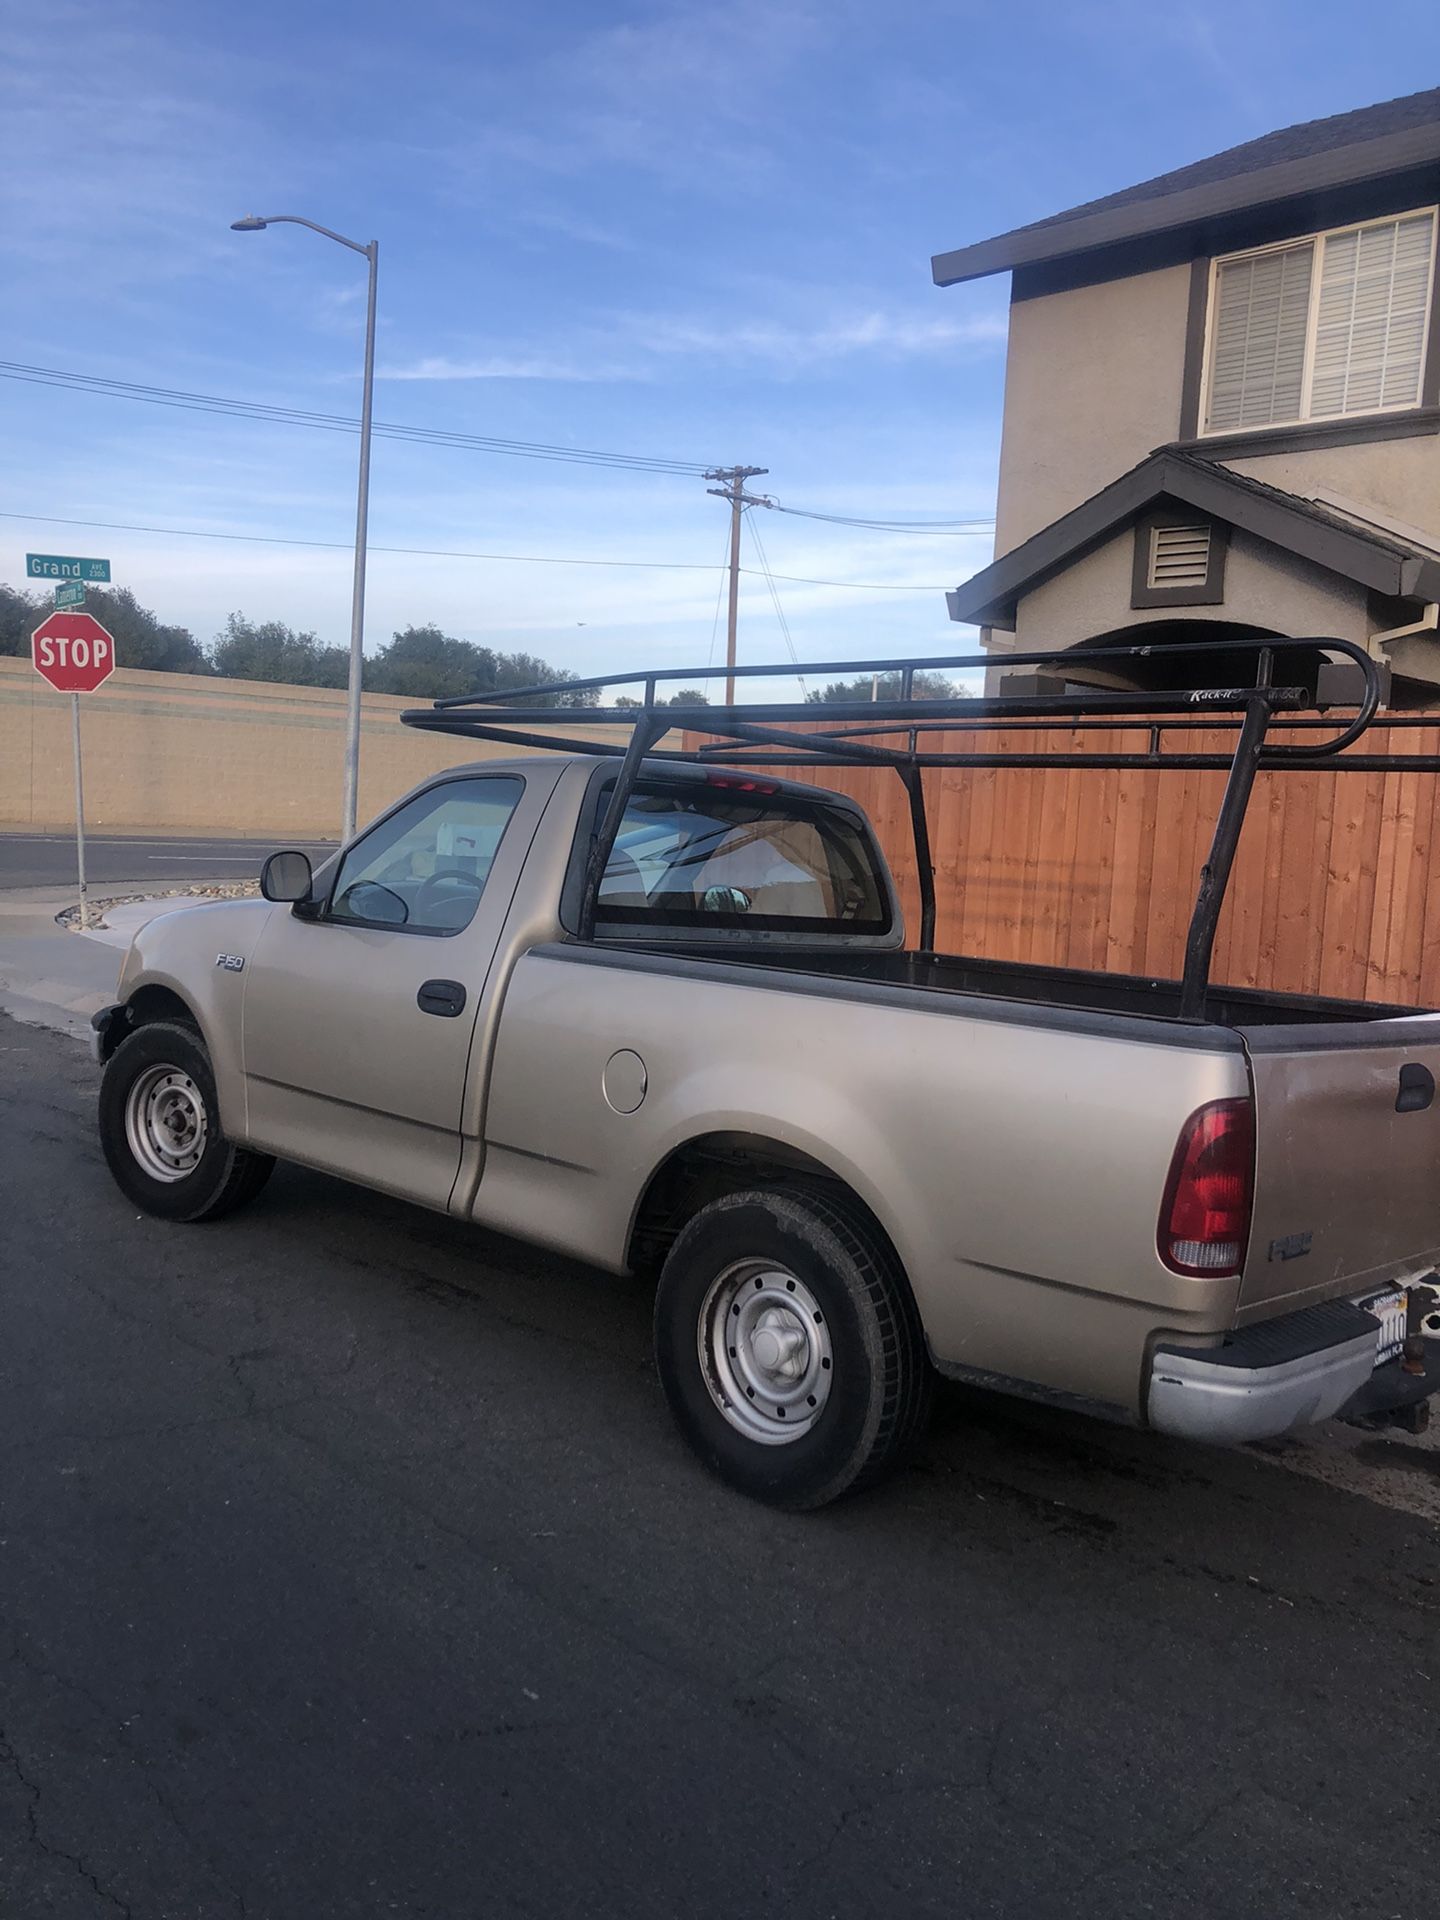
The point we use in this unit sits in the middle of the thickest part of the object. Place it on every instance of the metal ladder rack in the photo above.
(852, 734)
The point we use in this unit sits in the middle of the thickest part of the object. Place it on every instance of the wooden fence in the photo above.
(1094, 867)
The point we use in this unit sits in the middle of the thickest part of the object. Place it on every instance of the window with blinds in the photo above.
(1331, 325)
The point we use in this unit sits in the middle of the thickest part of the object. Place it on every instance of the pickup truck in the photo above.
(659, 1014)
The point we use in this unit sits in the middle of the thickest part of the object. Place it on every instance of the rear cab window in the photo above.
(740, 856)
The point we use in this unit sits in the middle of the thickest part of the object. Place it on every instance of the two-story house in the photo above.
(1222, 406)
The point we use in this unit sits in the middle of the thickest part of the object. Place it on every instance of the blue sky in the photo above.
(696, 231)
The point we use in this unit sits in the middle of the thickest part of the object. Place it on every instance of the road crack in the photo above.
(37, 1840)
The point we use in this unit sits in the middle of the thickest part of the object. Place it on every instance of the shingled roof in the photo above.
(1317, 154)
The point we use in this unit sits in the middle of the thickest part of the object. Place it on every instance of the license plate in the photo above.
(1392, 1311)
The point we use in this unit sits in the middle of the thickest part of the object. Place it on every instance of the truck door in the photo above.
(358, 1018)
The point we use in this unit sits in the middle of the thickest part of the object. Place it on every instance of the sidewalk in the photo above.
(52, 978)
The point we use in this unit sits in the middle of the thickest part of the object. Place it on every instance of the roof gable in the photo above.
(1381, 562)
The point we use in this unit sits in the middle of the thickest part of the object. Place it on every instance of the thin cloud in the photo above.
(883, 335)
(641, 339)
(505, 367)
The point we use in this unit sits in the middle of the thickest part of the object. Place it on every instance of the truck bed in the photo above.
(1113, 993)
(1042, 1063)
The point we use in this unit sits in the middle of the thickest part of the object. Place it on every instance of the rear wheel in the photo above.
(160, 1128)
(789, 1347)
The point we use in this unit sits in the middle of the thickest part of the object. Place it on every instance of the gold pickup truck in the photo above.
(655, 1009)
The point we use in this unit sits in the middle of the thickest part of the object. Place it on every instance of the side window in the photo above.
(424, 868)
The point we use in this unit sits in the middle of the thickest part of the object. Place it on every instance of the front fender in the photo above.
(191, 953)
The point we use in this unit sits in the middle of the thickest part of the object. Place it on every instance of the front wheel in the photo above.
(789, 1347)
(160, 1128)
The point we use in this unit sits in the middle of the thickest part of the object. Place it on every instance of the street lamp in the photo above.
(252, 223)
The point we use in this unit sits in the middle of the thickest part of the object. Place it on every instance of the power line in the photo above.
(240, 409)
(337, 422)
(719, 601)
(775, 599)
(947, 529)
(452, 553)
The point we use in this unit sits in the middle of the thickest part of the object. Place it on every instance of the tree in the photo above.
(926, 686)
(419, 663)
(141, 639)
(272, 651)
(426, 664)
(687, 697)
(20, 614)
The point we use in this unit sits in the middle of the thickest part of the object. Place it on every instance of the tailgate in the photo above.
(1347, 1159)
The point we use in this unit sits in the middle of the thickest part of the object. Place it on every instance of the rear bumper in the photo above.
(1269, 1378)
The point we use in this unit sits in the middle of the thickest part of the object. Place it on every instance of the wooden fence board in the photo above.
(1331, 892)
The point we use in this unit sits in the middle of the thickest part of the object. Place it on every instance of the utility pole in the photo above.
(732, 488)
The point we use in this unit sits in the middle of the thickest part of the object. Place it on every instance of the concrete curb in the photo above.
(48, 977)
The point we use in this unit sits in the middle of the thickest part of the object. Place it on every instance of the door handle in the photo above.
(444, 997)
(1417, 1088)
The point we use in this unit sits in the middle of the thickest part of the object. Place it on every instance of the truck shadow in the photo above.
(1012, 1475)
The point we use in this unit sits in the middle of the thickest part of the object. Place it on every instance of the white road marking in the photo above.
(109, 840)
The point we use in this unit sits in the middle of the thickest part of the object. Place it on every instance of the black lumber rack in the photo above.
(852, 734)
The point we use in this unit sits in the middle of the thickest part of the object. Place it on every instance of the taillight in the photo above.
(1205, 1217)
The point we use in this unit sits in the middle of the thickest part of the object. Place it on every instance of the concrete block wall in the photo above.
(175, 752)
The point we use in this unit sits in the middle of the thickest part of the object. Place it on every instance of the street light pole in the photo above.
(253, 223)
(357, 596)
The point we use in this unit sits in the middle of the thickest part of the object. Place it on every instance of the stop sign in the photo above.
(73, 652)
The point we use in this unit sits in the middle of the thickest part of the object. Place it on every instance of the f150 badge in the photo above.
(232, 962)
(1292, 1246)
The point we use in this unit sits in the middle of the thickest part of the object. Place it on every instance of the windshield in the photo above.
(698, 856)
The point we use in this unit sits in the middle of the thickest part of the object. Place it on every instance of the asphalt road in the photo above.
(48, 859)
(350, 1568)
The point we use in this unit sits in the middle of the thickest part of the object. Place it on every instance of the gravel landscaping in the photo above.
(233, 890)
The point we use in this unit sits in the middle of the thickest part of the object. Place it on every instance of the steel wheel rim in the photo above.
(765, 1352)
(166, 1126)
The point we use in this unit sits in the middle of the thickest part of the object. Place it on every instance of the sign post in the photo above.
(75, 654)
(79, 811)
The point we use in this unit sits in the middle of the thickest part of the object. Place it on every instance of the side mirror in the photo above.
(725, 900)
(286, 876)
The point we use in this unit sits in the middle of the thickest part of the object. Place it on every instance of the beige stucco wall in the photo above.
(1094, 381)
(167, 752)
(1092, 385)
(1395, 478)
(1263, 586)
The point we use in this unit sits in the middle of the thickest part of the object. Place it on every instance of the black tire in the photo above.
(802, 1244)
(167, 1059)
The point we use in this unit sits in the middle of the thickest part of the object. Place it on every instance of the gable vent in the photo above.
(1179, 557)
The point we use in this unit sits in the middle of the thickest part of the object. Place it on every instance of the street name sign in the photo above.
(64, 566)
(73, 652)
(72, 594)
